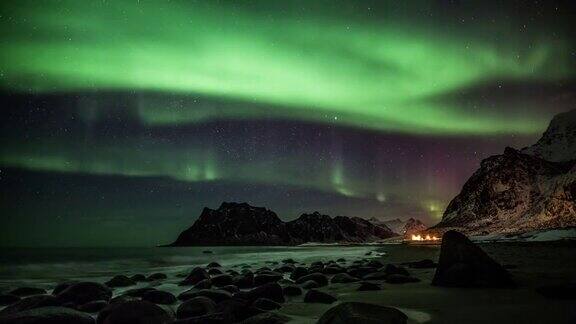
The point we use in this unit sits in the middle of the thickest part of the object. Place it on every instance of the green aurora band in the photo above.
(378, 74)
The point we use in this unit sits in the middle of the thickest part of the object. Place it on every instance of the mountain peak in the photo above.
(558, 143)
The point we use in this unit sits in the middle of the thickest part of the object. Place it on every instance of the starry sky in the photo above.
(120, 120)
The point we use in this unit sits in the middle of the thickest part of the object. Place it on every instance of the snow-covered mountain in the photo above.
(521, 191)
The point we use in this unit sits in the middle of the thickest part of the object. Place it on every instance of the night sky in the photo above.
(120, 120)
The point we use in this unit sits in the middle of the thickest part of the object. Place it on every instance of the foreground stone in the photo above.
(197, 306)
(48, 315)
(215, 295)
(134, 312)
(29, 303)
(353, 312)
(271, 291)
(83, 292)
(315, 296)
(120, 281)
(463, 264)
(267, 318)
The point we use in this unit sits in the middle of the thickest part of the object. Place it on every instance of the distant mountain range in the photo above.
(401, 227)
(242, 224)
(521, 190)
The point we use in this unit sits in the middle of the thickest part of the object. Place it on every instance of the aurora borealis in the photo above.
(122, 119)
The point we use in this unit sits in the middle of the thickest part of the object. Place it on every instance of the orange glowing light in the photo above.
(426, 238)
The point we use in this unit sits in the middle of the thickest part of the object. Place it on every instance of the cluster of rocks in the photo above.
(215, 294)
(240, 294)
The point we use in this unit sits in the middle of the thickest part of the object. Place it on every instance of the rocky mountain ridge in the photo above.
(243, 224)
(521, 190)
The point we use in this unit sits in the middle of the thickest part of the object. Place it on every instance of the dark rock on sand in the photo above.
(197, 306)
(244, 281)
(216, 318)
(196, 275)
(236, 310)
(138, 292)
(315, 296)
(134, 312)
(292, 290)
(343, 278)
(214, 271)
(289, 261)
(8, 299)
(204, 284)
(221, 280)
(62, 286)
(48, 315)
(230, 288)
(84, 292)
(354, 312)
(156, 276)
(27, 291)
(159, 297)
(267, 318)
(333, 270)
(319, 278)
(310, 284)
(266, 304)
(215, 295)
(120, 281)
(400, 279)
(271, 291)
(566, 291)
(298, 272)
(30, 302)
(261, 279)
(213, 265)
(93, 306)
(463, 264)
(368, 286)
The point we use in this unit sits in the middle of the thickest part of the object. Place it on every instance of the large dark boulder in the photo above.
(83, 292)
(236, 310)
(464, 264)
(159, 297)
(221, 280)
(196, 275)
(217, 295)
(93, 306)
(265, 278)
(48, 315)
(271, 291)
(354, 312)
(135, 312)
(267, 318)
(319, 278)
(30, 302)
(343, 278)
(197, 306)
(120, 281)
